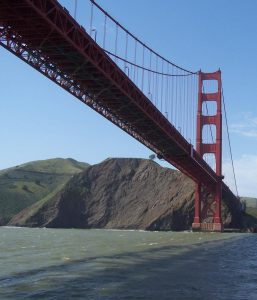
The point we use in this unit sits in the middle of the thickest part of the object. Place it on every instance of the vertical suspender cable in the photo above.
(156, 86)
(143, 64)
(153, 90)
(105, 21)
(191, 103)
(75, 9)
(184, 106)
(135, 60)
(167, 92)
(172, 94)
(149, 74)
(126, 52)
(176, 101)
(196, 103)
(183, 125)
(162, 86)
(116, 42)
(91, 18)
(182, 122)
(187, 135)
(180, 101)
(188, 106)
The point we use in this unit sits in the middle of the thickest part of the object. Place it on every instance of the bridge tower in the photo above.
(208, 203)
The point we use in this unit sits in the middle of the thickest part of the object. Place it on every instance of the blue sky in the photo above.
(39, 120)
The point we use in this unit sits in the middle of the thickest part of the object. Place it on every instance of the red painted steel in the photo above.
(204, 207)
(44, 35)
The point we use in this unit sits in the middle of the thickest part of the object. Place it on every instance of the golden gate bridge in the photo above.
(175, 112)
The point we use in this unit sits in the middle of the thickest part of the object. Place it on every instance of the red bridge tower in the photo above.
(208, 208)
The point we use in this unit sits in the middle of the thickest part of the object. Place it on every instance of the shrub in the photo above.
(25, 188)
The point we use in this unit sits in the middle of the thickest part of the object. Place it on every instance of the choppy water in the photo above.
(103, 264)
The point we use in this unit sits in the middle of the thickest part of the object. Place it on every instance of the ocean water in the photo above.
(113, 264)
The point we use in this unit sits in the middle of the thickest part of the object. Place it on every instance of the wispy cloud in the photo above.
(246, 175)
(247, 126)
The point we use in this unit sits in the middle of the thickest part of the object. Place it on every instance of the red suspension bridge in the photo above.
(174, 112)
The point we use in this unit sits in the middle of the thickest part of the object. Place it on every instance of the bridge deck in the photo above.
(42, 33)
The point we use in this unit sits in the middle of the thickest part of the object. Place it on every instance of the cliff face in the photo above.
(119, 193)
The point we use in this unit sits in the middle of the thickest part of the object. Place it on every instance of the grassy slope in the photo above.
(250, 202)
(250, 216)
(31, 210)
(252, 211)
(26, 184)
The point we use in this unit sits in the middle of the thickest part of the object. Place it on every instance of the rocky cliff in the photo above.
(121, 193)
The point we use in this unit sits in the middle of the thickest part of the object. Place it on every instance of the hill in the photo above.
(250, 202)
(250, 216)
(23, 185)
(121, 193)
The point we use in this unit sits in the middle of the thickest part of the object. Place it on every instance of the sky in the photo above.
(39, 120)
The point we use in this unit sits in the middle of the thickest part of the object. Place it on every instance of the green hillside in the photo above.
(250, 202)
(250, 216)
(26, 184)
(252, 211)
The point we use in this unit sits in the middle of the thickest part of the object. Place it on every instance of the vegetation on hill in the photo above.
(250, 219)
(24, 185)
(250, 214)
(249, 202)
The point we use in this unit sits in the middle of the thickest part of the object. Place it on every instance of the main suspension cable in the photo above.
(229, 143)
(136, 39)
(147, 69)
